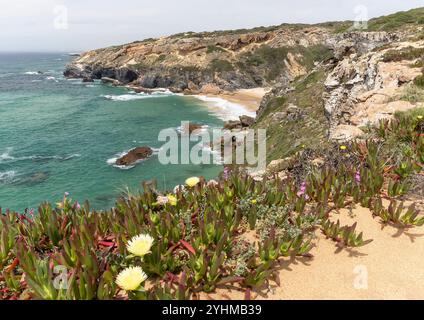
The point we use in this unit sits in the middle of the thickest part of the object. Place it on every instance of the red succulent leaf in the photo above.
(248, 295)
(12, 265)
(108, 244)
(188, 246)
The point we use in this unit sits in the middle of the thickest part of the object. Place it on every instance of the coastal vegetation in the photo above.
(206, 235)
(237, 230)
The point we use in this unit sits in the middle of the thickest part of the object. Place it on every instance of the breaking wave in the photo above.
(138, 96)
(7, 157)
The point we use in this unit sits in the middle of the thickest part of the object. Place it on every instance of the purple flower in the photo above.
(358, 177)
(66, 194)
(227, 172)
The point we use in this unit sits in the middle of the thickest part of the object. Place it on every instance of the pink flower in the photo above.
(161, 200)
(66, 194)
(358, 177)
(302, 191)
(77, 205)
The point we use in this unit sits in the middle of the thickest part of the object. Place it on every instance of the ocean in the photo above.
(60, 135)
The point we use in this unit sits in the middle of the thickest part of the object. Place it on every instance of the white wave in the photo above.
(203, 128)
(31, 73)
(137, 96)
(224, 109)
(7, 176)
(52, 79)
(7, 157)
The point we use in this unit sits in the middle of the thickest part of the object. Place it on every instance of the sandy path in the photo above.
(394, 262)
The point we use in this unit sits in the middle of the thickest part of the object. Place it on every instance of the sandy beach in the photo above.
(249, 98)
(231, 105)
(390, 267)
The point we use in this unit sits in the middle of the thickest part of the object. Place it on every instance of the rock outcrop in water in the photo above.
(134, 155)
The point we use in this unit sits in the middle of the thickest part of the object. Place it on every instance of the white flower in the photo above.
(131, 278)
(177, 188)
(140, 245)
(212, 183)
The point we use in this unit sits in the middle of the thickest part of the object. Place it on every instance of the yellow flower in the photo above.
(140, 245)
(131, 278)
(192, 182)
(254, 201)
(343, 147)
(419, 117)
(172, 200)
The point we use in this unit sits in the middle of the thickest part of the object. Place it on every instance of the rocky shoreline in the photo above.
(323, 85)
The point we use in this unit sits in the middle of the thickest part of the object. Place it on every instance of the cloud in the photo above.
(30, 25)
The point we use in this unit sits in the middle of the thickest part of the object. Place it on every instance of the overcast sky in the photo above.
(77, 25)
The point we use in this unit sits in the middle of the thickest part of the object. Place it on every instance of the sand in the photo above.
(391, 267)
(249, 98)
(231, 105)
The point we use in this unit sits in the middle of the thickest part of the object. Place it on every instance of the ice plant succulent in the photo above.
(140, 245)
(131, 278)
(192, 182)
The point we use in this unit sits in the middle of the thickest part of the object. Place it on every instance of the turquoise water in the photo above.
(57, 135)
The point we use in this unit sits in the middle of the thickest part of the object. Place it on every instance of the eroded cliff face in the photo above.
(227, 60)
(371, 76)
(365, 88)
(324, 85)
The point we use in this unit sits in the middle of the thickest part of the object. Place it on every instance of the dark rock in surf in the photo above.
(134, 155)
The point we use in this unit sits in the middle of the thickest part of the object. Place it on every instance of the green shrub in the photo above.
(397, 20)
(218, 65)
(419, 81)
(409, 53)
(213, 48)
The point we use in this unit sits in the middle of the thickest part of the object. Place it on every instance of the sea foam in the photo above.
(7, 157)
(7, 176)
(137, 96)
(224, 109)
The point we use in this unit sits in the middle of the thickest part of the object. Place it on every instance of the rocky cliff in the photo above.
(192, 61)
(326, 80)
